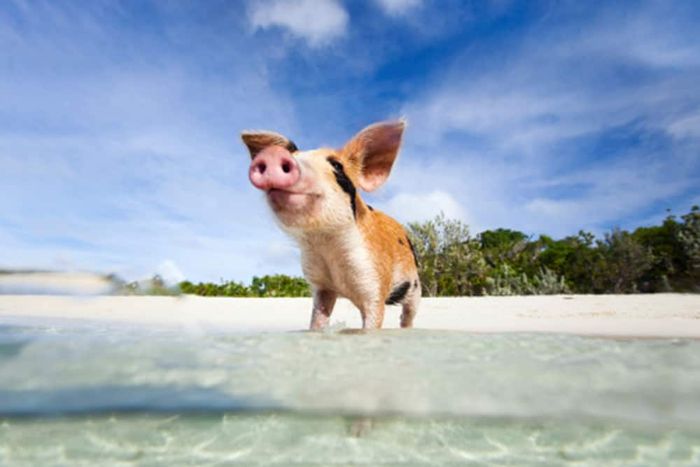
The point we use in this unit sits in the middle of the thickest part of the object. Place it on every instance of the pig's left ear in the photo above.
(375, 148)
(259, 140)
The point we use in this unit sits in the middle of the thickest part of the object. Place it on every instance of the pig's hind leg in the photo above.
(410, 305)
(324, 301)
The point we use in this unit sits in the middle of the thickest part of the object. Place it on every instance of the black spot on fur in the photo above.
(400, 242)
(291, 147)
(413, 251)
(370, 207)
(345, 183)
(415, 284)
(398, 294)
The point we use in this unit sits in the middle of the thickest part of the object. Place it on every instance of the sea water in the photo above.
(106, 394)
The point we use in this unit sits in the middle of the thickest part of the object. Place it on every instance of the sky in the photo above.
(120, 121)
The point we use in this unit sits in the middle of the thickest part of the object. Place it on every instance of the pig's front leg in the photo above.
(324, 300)
(372, 315)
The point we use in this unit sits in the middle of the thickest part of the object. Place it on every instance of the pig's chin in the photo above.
(291, 203)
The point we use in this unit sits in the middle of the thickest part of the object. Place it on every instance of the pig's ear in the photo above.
(259, 140)
(375, 149)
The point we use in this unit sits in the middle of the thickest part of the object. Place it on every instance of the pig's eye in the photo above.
(291, 147)
(336, 165)
(345, 183)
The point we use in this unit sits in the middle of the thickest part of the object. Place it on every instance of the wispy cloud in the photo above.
(399, 7)
(422, 206)
(606, 108)
(119, 123)
(318, 22)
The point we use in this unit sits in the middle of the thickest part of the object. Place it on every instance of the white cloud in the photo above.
(317, 21)
(686, 127)
(615, 191)
(398, 7)
(530, 96)
(170, 272)
(282, 253)
(409, 207)
(518, 118)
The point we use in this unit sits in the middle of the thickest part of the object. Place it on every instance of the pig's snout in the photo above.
(274, 168)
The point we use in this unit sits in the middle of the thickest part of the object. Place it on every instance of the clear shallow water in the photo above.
(77, 394)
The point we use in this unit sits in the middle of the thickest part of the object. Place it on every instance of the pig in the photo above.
(348, 248)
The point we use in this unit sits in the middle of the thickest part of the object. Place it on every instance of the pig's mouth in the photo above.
(284, 199)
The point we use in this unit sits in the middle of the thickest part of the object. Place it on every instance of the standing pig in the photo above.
(348, 248)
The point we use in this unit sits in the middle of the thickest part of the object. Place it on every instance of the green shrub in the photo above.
(278, 285)
(451, 261)
(508, 282)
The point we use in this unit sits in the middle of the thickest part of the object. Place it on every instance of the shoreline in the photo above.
(623, 316)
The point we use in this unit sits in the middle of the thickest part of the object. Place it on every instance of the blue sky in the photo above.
(119, 121)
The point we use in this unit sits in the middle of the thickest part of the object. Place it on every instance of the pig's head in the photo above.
(317, 190)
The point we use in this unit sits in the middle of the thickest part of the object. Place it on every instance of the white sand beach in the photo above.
(660, 315)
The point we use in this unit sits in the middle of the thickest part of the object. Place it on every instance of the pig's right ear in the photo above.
(256, 141)
(375, 149)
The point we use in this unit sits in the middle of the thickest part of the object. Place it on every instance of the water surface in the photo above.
(81, 393)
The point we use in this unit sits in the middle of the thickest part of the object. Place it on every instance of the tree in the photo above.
(451, 262)
(502, 245)
(667, 255)
(208, 289)
(625, 262)
(576, 258)
(689, 238)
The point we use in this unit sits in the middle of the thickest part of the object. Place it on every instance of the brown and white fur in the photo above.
(348, 248)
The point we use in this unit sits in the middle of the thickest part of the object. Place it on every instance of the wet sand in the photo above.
(659, 315)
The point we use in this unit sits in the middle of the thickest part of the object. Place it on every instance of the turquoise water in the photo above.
(89, 393)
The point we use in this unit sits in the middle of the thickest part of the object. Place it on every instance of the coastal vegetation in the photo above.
(453, 262)
(661, 258)
(277, 285)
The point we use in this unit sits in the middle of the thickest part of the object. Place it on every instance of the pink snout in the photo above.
(273, 168)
